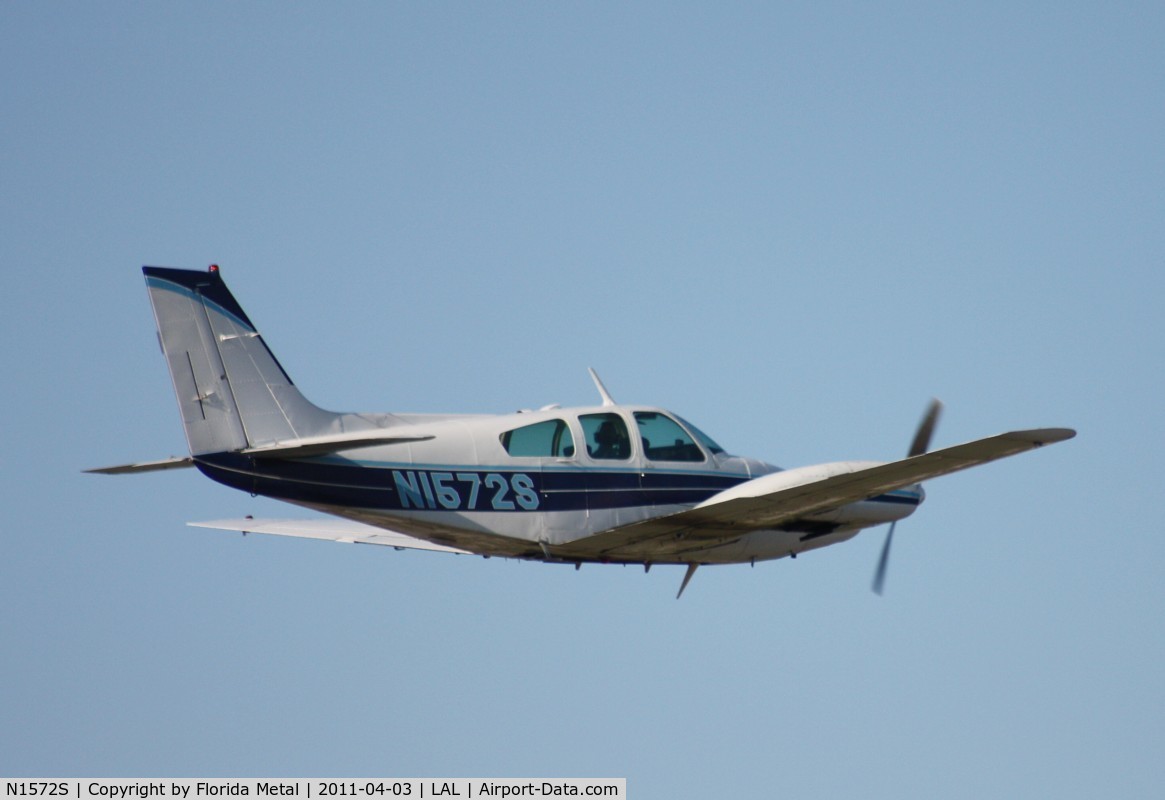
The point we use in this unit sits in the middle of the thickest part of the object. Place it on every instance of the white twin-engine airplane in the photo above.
(610, 484)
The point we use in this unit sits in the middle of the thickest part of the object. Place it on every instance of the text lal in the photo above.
(506, 790)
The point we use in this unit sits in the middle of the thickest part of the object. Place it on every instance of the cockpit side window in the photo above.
(664, 440)
(606, 436)
(549, 439)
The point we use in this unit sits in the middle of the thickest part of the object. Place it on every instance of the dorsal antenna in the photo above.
(607, 399)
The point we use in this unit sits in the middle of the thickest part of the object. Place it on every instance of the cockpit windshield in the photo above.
(664, 440)
(702, 437)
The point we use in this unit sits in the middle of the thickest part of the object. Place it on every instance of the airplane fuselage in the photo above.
(533, 483)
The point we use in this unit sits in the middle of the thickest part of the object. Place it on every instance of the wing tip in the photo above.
(1043, 436)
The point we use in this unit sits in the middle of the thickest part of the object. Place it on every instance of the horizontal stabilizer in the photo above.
(177, 462)
(334, 530)
(298, 448)
(323, 445)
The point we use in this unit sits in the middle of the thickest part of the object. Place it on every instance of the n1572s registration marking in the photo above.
(465, 491)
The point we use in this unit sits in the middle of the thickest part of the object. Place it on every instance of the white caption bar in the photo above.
(311, 788)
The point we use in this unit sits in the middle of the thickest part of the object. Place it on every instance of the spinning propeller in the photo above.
(918, 446)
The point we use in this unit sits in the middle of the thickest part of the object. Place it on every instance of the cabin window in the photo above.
(606, 436)
(664, 440)
(549, 439)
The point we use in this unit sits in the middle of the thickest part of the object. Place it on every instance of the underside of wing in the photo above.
(765, 504)
(335, 530)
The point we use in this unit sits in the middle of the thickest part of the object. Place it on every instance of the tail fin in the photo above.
(232, 392)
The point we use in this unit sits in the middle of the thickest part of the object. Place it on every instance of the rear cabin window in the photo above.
(606, 436)
(664, 440)
(549, 439)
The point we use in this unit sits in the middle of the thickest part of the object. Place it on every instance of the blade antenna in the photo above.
(607, 399)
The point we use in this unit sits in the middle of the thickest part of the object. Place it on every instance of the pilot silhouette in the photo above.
(611, 441)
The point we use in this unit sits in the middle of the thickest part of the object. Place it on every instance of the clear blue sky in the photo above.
(791, 223)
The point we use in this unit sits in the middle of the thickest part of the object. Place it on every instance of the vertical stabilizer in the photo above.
(231, 391)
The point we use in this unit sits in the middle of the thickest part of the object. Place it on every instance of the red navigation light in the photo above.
(213, 268)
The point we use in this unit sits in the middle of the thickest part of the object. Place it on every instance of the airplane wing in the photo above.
(335, 530)
(740, 512)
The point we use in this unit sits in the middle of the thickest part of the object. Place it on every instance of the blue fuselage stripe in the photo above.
(403, 487)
